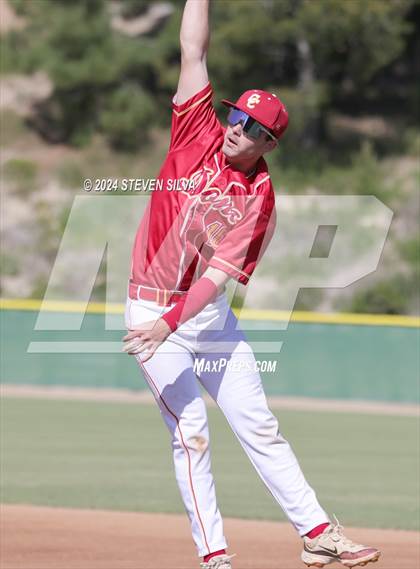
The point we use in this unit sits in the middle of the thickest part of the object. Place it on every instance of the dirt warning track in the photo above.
(54, 538)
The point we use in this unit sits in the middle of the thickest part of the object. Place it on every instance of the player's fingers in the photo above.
(149, 353)
(140, 348)
(134, 334)
(133, 345)
(143, 328)
(145, 347)
(147, 350)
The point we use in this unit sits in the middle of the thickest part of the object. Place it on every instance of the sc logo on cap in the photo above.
(253, 100)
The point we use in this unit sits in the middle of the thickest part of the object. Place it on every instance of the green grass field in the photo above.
(117, 456)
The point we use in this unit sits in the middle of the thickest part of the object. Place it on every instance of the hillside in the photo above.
(338, 144)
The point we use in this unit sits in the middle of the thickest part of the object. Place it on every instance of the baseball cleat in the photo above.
(218, 562)
(333, 545)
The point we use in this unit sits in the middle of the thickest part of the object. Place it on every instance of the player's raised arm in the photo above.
(194, 39)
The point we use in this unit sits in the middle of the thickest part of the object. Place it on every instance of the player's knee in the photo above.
(268, 431)
(198, 443)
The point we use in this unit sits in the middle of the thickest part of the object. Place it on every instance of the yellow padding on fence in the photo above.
(245, 314)
(61, 306)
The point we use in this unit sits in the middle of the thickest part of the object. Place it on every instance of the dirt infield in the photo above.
(52, 538)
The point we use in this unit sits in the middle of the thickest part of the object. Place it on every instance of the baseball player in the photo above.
(211, 222)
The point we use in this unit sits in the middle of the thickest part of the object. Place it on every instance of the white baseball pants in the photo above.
(240, 395)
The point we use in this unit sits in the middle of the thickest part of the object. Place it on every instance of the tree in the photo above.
(91, 67)
(316, 54)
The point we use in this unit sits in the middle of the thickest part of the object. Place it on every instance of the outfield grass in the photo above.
(117, 456)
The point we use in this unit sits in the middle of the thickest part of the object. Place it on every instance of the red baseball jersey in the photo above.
(202, 212)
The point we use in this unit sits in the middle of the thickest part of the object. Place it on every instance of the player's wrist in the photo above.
(200, 294)
(165, 326)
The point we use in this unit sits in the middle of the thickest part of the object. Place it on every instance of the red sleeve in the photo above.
(194, 118)
(239, 252)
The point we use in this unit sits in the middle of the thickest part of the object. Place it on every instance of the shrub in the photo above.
(134, 8)
(70, 175)
(21, 173)
(12, 127)
(9, 264)
(127, 117)
(393, 296)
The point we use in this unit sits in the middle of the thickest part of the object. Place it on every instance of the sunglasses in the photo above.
(250, 127)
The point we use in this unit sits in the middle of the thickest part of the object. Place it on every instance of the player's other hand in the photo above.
(146, 338)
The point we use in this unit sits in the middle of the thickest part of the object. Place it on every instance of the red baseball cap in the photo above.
(264, 107)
